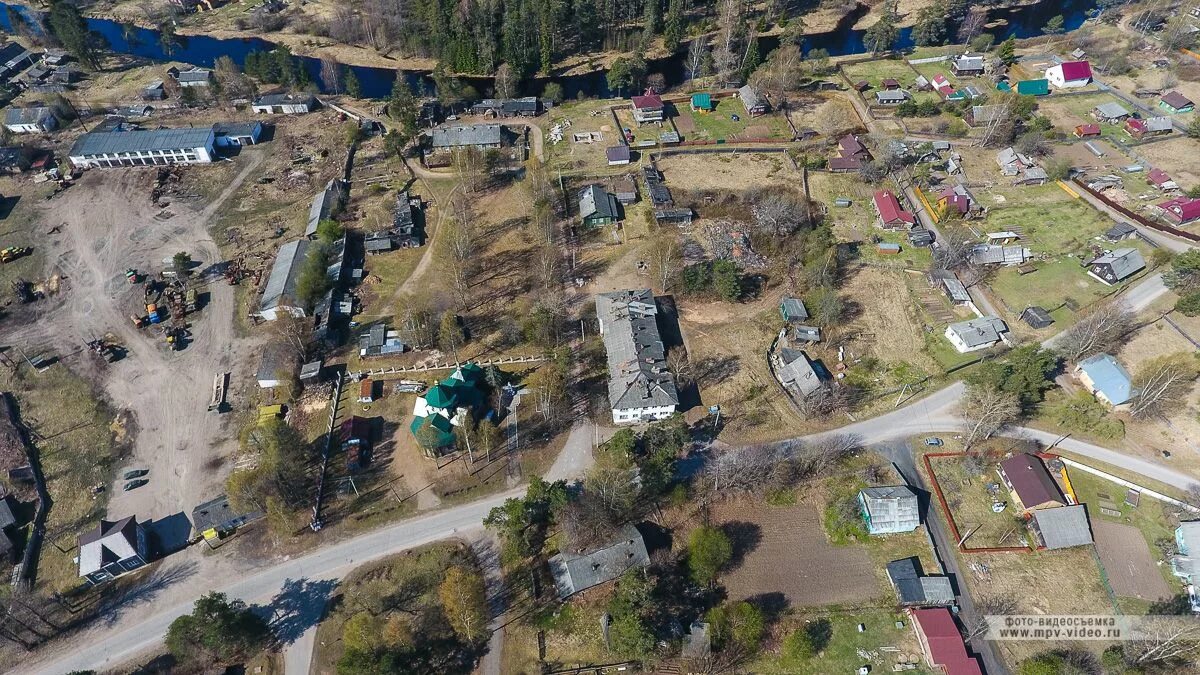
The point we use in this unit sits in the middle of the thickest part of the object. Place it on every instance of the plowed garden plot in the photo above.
(1127, 561)
(783, 550)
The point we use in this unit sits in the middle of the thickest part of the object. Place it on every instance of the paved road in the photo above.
(901, 454)
(106, 646)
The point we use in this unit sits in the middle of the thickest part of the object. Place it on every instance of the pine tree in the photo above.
(353, 87)
(1008, 51)
(69, 28)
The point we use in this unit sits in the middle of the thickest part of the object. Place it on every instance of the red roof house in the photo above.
(942, 643)
(1181, 210)
(942, 85)
(648, 107)
(1070, 74)
(1087, 130)
(890, 213)
(1159, 179)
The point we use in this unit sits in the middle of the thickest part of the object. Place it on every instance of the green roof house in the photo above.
(445, 406)
(1034, 87)
(702, 102)
(1003, 86)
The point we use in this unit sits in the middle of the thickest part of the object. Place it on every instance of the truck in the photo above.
(11, 253)
(190, 300)
(152, 313)
(220, 383)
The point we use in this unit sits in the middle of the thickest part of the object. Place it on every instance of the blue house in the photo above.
(889, 509)
(1106, 379)
(1185, 564)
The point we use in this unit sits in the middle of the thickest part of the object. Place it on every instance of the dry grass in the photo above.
(733, 171)
(970, 504)
(1045, 582)
(1178, 157)
(887, 326)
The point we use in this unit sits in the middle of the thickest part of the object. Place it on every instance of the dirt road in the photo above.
(107, 225)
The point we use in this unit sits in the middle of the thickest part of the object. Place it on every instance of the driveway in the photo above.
(901, 454)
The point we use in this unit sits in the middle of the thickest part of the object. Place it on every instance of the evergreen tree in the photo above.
(883, 34)
(402, 106)
(67, 26)
(930, 28)
(1054, 26)
(1008, 51)
(650, 18)
(673, 33)
(353, 87)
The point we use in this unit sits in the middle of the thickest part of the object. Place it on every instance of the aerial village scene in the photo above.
(600, 336)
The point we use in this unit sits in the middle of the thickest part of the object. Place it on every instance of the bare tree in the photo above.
(506, 81)
(986, 411)
(1162, 385)
(727, 57)
(331, 75)
(1165, 640)
(972, 24)
(988, 605)
(754, 468)
(953, 249)
(470, 166)
(665, 261)
(780, 213)
(781, 73)
(697, 53)
(293, 334)
(458, 256)
(1099, 329)
(549, 265)
(825, 400)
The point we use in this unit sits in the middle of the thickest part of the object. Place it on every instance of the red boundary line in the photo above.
(937, 489)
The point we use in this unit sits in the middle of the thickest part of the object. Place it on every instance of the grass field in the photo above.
(841, 652)
(1067, 112)
(719, 124)
(875, 72)
(78, 449)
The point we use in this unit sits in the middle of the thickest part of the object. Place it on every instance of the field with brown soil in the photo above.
(735, 171)
(1178, 157)
(1131, 570)
(786, 552)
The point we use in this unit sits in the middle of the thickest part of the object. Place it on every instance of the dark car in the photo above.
(135, 484)
(135, 473)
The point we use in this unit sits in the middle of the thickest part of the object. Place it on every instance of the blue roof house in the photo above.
(1186, 563)
(1106, 379)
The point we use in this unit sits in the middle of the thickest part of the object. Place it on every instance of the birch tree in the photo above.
(986, 410)
(464, 601)
(665, 261)
(1162, 385)
(697, 53)
(1098, 330)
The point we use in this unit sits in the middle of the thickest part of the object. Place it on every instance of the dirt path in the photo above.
(108, 225)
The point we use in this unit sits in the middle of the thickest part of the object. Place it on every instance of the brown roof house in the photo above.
(111, 549)
(1030, 483)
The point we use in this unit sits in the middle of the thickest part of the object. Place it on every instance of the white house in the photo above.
(285, 104)
(1070, 74)
(143, 147)
(976, 334)
(32, 120)
(111, 549)
(640, 388)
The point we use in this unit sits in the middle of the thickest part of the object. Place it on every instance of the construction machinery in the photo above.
(11, 253)
(138, 322)
(106, 348)
(190, 299)
(132, 276)
(152, 313)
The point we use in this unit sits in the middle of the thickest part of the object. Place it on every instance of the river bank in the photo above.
(821, 25)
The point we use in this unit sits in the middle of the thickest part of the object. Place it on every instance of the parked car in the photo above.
(135, 484)
(935, 442)
(135, 473)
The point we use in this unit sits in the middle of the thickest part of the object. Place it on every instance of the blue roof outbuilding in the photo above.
(1109, 378)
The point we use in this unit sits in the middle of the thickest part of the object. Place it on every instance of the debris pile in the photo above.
(730, 241)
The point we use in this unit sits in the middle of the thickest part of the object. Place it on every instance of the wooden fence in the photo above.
(1141, 220)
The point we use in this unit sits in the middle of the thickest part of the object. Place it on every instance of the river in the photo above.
(202, 50)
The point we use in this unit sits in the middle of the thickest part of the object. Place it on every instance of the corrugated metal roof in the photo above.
(637, 361)
(574, 572)
(142, 140)
(1064, 527)
(1108, 377)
